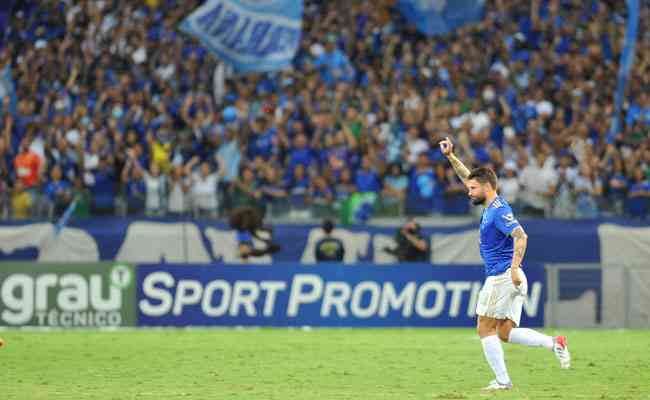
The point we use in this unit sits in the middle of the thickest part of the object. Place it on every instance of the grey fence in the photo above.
(598, 295)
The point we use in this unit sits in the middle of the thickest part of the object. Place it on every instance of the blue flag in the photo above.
(250, 35)
(7, 89)
(5, 13)
(358, 208)
(437, 17)
(65, 218)
(627, 60)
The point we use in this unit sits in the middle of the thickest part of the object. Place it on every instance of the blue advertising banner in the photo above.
(437, 17)
(329, 295)
(249, 35)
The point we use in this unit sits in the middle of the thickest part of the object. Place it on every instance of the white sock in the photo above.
(494, 356)
(529, 337)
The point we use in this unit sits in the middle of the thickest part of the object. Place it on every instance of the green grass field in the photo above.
(321, 364)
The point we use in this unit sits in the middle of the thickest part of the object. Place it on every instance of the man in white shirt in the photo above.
(564, 201)
(414, 144)
(509, 183)
(538, 185)
(204, 188)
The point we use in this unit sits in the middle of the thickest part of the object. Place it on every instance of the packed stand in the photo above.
(115, 112)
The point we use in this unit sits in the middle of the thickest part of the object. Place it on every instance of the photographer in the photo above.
(411, 245)
(247, 221)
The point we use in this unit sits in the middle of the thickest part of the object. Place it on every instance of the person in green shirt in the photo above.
(353, 121)
(83, 198)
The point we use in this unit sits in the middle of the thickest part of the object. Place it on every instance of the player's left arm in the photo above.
(520, 243)
(508, 225)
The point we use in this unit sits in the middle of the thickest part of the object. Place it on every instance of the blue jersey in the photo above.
(245, 237)
(497, 246)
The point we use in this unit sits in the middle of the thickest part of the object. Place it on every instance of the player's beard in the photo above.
(477, 201)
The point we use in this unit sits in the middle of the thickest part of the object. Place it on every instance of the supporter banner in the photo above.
(365, 295)
(249, 35)
(67, 295)
(179, 241)
(436, 17)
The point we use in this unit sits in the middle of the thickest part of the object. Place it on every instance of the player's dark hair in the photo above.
(328, 226)
(484, 175)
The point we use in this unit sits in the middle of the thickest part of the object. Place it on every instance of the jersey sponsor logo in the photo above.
(510, 219)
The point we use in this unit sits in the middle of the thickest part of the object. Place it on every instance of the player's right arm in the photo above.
(447, 148)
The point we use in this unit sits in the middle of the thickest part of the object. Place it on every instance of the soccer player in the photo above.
(502, 245)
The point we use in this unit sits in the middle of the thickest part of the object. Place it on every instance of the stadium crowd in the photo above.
(115, 109)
